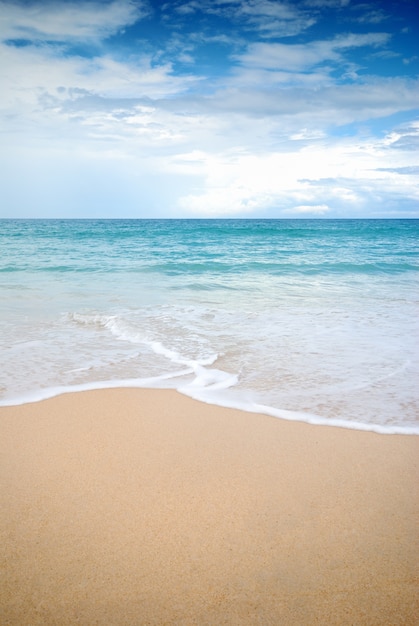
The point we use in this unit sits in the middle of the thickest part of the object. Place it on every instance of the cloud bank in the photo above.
(243, 108)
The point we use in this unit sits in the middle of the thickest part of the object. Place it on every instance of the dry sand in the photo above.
(132, 507)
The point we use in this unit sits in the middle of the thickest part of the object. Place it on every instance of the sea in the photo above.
(308, 320)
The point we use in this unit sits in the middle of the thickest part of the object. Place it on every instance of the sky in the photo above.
(209, 109)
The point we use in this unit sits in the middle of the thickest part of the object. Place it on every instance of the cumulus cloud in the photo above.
(336, 177)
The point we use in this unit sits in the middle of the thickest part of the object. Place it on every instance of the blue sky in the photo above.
(209, 108)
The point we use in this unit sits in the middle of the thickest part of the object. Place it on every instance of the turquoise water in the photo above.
(314, 320)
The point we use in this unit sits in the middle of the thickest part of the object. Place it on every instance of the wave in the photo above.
(204, 388)
(219, 268)
(124, 331)
(195, 377)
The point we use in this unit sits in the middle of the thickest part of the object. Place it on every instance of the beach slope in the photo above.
(132, 507)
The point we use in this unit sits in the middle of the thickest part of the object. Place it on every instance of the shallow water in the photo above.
(303, 319)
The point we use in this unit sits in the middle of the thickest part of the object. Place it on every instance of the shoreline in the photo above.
(206, 397)
(143, 506)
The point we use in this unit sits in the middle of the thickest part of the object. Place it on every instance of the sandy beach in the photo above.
(132, 507)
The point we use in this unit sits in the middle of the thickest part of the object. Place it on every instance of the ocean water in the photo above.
(313, 320)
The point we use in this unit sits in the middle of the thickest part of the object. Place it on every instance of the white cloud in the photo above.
(308, 209)
(224, 202)
(338, 177)
(303, 57)
(305, 134)
(268, 8)
(58, 21)
(268, 18)
(253, 141)
(186, 8)
(36, 84)
(275, 18)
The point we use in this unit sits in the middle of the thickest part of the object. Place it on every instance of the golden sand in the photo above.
(137, 507)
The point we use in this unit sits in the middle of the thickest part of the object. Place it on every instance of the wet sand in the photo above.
(137, 507)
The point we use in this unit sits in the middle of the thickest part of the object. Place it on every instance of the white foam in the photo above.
(281, 357)
(212, 379)
(294, 416)
(156, 382)
(208, 386)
